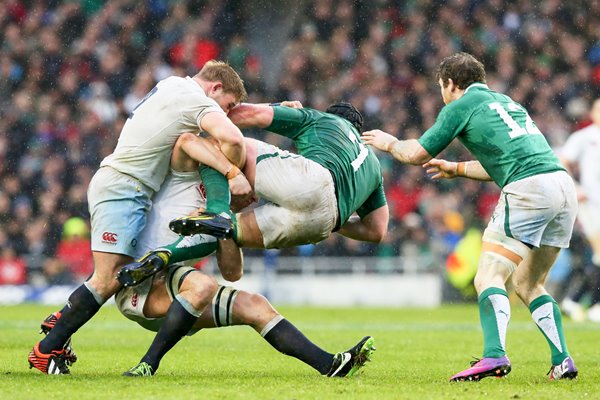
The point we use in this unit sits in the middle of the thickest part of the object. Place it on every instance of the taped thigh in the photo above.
(222, 305)
(494, 260)
(175, 277)
(502, 242)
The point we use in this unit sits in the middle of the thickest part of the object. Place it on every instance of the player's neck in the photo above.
(202, 83)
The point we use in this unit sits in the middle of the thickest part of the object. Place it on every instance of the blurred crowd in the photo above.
(72, 71)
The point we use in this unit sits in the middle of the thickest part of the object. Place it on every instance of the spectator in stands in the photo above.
(74, 249)
(12, 267)
(66, 88)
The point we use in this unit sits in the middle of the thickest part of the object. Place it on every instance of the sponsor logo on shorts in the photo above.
(202, 190)
(134, 300)
(109, 237)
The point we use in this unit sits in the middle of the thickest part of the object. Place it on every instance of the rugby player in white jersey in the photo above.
(308, 195)
(581, 151)
(149, 302)
(120, 193)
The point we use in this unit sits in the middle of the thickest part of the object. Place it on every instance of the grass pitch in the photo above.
(417, 351)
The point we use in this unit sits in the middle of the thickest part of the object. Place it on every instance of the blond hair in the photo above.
(220, 71)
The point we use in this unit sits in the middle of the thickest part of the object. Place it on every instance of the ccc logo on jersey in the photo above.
(109, 237)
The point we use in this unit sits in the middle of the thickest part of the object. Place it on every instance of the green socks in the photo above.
(494, 314)
(191, 247)
(546, 315)
(217, 190)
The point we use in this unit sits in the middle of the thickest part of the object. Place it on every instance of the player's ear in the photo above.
(217, 86)
(451, 86)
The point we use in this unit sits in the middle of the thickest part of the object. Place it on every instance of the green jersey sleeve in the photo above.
(448, 125)
(290, 122)
(375, 201)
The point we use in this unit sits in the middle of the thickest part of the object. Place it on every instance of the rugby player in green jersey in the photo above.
(532, 221)
(310, 194)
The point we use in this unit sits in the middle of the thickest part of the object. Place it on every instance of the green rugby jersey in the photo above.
(497, 131)
(334, 143)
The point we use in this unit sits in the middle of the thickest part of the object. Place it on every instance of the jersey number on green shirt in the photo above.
(515, 129)
(362, 155)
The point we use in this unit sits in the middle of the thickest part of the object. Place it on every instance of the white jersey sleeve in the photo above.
(175, 106)
(573, 147)
(582, 149)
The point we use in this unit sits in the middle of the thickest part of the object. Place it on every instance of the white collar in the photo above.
(190, 79)
(477, 84)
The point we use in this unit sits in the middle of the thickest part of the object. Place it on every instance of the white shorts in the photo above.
(538, 210)
(118, 205)
(131, 300)
(302, 204)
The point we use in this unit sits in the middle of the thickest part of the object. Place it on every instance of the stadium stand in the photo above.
(71, 71)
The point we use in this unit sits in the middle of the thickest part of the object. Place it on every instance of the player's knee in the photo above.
(255, 301)
(253, 309)
(494, 269)
(104, 286)
(201, 288)
(186, 137)
(379, 235)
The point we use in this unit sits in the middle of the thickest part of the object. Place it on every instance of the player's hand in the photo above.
(197, 212)
(441, 169)
(239, 186)
(379, 139)
(238, 203)
(292, 104)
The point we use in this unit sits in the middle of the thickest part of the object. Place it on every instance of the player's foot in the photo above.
(565, 370)
(217, 225)
(483, 368)
(573, 310)
(140, 270)
(142, 369)
(350, 361)
(50, 364)
(45, 328)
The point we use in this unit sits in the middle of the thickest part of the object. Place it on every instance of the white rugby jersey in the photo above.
(583, 148)
(180, 194)
(175, 106)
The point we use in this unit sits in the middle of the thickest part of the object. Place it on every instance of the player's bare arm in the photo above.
(230, 260)
(252, 115)
(442, 169)
(190, 150)
(248, 115)
(371, 228)
(220, 127)
(406, 151)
